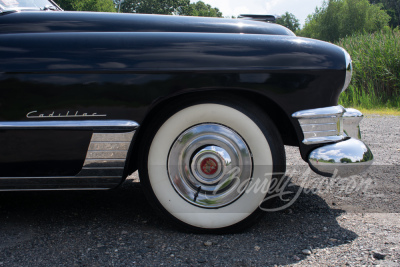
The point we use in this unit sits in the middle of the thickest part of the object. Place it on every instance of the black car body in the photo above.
(83, 94)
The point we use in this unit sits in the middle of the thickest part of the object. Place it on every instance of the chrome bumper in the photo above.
(347, 155)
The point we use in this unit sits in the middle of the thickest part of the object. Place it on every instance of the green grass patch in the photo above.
(382, 111)
(376, 71)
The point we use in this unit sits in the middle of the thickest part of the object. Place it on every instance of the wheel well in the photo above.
(277, 115)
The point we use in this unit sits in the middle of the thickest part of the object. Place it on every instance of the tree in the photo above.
(200, 9)
(169, 7)
(166, 7)
(87, 5)
(339, 18)
(392, 7)
(289, 21)
(345, 160)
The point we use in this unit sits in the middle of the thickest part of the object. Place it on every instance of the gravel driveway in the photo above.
(340, 224)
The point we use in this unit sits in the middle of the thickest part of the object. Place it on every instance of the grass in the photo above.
(375, 84)
(382, 112)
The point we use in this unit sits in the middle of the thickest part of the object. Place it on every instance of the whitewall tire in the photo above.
(208, 165)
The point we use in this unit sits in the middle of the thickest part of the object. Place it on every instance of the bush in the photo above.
(340, 18)
(376, 64)
(87, 5)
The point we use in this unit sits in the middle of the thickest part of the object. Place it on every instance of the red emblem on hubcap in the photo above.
(209, 166)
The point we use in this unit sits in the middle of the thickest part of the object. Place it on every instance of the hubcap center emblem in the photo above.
(209, 166)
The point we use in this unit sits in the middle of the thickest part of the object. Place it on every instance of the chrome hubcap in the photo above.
(209, 165)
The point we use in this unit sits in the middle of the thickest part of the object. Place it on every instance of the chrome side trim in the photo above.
(57, 183)
(107, 158)
(322, 140)
(116, 125)
(341, 159)
(321, 125)
(102, 163)
(114, 154)
(54, 189)
(116, 137)
(319, 112)
(98, 146)
(54, 177)
(349, 70)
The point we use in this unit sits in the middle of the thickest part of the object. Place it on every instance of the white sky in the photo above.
(300, 8)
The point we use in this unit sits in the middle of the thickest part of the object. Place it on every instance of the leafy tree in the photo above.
(367, 156)
(200, 9)
(289, 21)
(87, 5)
(392, 7)
(166, 7)
(339, 18)
(345, 160)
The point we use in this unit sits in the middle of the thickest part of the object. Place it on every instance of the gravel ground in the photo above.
(331, 227)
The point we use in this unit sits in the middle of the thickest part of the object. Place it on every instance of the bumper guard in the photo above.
(344, 153)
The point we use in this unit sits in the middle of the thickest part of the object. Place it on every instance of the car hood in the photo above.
(19, 22)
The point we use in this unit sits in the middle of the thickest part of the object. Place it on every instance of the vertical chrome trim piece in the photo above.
(351, 122)
(349, 70)
(107, 154)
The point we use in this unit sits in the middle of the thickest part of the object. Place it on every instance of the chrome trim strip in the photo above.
(101, 172)
(99, 168)
(86, 125)
(311, 135)
(115, 137)
(109, 146)
(57, 177)
(349, 70)
(104, 163)
(353, 113)
(321, 140)
(334, 111)
(316, 121)
(55, 189)
(106, 154)
(319, 127)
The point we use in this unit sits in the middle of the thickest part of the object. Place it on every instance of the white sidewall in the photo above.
(175, 204)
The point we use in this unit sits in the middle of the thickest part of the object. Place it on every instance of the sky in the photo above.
(300, 8)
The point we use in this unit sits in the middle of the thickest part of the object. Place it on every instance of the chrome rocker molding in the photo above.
(348, 155)
(104, 164)
(114, 125)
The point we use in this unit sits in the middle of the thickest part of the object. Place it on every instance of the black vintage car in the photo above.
(202, 107)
